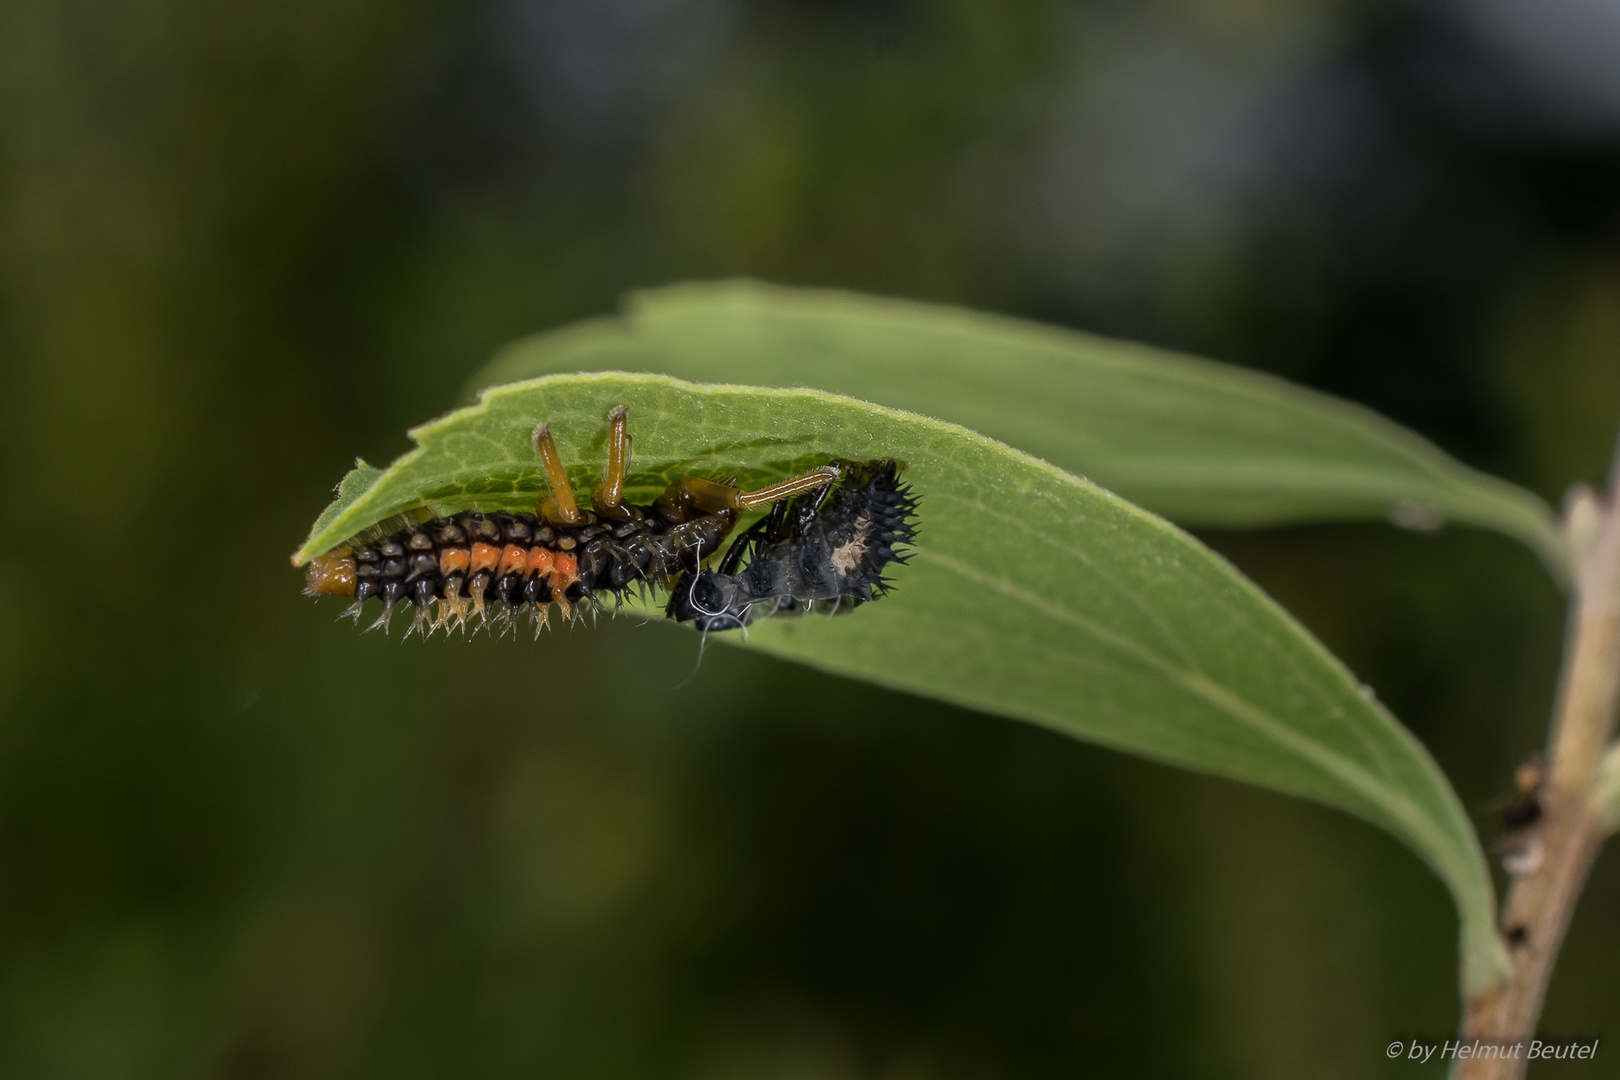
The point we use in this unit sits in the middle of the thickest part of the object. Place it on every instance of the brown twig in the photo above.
(1540, 903)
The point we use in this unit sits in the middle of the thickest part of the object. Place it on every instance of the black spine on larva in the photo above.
(834, 556)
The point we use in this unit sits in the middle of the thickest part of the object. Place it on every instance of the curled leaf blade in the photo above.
(1035, 594)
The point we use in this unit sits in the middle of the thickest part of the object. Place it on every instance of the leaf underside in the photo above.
(1203, 443)
(1034, 594)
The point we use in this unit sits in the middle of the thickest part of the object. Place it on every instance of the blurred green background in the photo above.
(242, 243)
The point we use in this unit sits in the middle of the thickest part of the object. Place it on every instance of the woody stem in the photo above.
(1539, 905)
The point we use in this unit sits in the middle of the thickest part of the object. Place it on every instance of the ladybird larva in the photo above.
(492, 569)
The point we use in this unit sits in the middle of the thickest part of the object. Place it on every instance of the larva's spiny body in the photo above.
(830, 533)
(500, 566)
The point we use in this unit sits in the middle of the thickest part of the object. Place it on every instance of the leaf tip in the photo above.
(1485, 962)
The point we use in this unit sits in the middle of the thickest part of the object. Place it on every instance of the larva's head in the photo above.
(331, 574)
(710, 601)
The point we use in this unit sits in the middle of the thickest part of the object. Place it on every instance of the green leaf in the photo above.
(354, 484)
(1034, 594)
(1606, 795)
(1199, 442)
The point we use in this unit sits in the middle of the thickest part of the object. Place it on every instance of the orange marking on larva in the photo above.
(539, 560)
(564, 572)
(453, 561)
(484, 557)
(514, 560)
(331, 574)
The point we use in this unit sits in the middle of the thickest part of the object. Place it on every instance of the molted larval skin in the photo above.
(804, 556)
